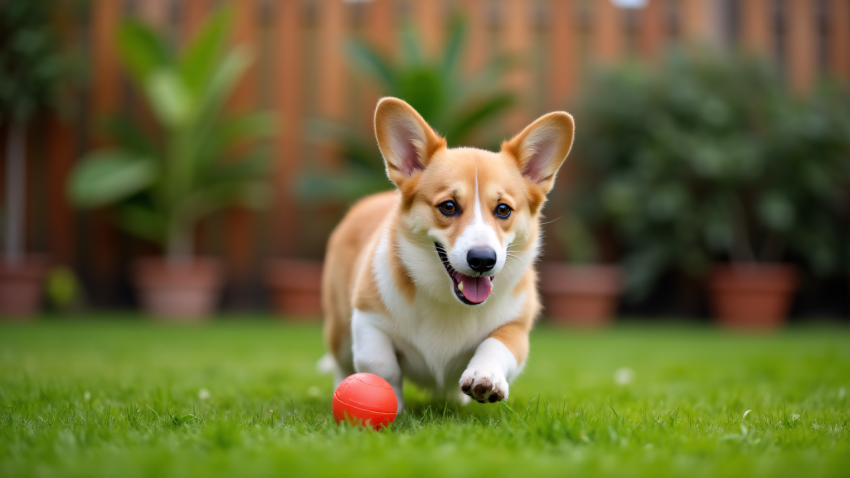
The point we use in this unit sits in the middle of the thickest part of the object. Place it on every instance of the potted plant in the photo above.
(581, 292)
(160, 179)
(437, 87)
(694, 167)
(32, 69)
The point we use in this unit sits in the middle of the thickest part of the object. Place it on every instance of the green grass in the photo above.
(121, 398)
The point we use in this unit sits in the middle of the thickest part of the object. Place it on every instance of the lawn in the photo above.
(242, 398)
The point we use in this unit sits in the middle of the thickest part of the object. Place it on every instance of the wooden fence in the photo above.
(301, 73)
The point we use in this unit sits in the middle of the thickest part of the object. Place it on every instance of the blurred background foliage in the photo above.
(683, 160)
(35, 67)
(456, 105)
(162, 177)
(709, 157)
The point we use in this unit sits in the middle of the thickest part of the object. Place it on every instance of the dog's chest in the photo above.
(434, 345)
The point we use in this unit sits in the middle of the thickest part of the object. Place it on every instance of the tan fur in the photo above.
(515, 334)
(347, 251)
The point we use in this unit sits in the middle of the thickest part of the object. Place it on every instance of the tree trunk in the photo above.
(15, 190)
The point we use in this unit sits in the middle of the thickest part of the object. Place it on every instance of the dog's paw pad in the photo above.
(484, 386)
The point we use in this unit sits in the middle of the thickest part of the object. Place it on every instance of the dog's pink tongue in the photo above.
(475, 289)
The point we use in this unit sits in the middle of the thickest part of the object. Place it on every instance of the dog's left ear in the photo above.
(405, 139)
(541, 148)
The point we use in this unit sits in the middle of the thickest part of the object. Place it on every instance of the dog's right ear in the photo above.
(405, 139)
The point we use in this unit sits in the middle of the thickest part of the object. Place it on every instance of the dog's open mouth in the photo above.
(470, 290)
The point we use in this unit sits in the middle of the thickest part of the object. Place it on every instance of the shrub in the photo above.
(707, 158)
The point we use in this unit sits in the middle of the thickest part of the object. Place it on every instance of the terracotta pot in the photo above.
(21, 285)
(753, 296)
(580, 296)
(185, 292)
(296, 288)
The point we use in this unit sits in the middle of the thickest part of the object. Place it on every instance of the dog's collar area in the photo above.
(456, 284)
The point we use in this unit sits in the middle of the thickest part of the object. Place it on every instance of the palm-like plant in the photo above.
(455, 104)
(194, 160)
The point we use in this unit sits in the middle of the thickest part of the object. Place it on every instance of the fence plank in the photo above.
(288, 89)
(700, 21)
(59, 154)
(801, 43)
(653, 29)
(518, 40)
(380, 33)
(379, 26)
(154, 12)
(428, 17)
(756, 33)
(239, 233)
(332, 77)
(838, 18)
(608, 32)
(193, 16)
(475, 15)
(106, 96)
(563, 51)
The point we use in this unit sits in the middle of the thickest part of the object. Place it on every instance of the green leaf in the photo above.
(411, 47)
(454, 45)
(345, 186)
(776, 211)
(130, 135)
(474, 115)
(484, 80)
(370, 62)
(224, 78)
(143, 221)
(229, 135)
(204, 51)
(169, 98)
(141, 51)
(357, 148)
(247, 128)
(110, 176)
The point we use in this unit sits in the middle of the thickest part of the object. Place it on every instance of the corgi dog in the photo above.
(435, 281)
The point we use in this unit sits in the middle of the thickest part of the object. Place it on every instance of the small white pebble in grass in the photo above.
(313, 391)
(204, 394)
(745, 415)
(624, 376)
(87, 396)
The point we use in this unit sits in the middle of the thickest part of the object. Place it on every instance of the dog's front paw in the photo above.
(483, 385)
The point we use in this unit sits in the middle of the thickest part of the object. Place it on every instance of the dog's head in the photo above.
(471, 212)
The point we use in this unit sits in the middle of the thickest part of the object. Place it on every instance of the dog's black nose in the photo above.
(481, 260)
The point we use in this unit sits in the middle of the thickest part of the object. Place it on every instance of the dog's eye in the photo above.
(503, 211)
(448, 208)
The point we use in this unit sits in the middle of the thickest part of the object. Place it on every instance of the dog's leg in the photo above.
(497, 361)
(374, 351)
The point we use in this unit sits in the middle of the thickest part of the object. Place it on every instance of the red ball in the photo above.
(363, 398)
